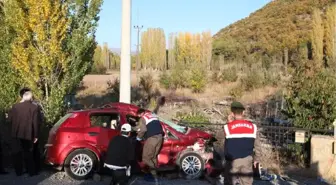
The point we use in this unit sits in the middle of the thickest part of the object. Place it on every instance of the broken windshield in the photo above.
(178, 128)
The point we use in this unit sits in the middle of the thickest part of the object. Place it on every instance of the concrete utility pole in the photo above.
(125, 56)
(138, 52)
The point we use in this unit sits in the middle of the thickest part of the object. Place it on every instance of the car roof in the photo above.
(115, 107)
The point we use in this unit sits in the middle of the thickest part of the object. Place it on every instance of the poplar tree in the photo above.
(317, 37)
(53, 47)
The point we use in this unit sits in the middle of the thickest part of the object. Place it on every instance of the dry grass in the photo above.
(96, 85)
(258, 95)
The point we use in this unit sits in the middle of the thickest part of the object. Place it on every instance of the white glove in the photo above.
(139, 139)
(128, 171)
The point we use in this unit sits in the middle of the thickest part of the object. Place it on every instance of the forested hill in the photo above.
(279, 24)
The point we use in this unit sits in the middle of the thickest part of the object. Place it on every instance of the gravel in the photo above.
(60, 178)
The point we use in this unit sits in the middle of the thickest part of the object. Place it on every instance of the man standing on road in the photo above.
(120, 154)
(240, 137)
(25, 118)
(151, 130)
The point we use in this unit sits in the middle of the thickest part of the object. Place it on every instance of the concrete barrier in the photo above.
(322, 159)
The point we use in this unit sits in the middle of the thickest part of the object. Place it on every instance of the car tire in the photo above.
(80, 164)
(191, 165)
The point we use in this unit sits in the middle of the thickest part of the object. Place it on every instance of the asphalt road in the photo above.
(60, 178)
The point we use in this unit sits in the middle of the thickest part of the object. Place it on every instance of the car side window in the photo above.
(171, 135)
(105, 120)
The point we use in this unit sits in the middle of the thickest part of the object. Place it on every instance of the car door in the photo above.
(101, 130)
(167, 152)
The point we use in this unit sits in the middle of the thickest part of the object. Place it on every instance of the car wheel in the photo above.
(191, 165)
(80, 164)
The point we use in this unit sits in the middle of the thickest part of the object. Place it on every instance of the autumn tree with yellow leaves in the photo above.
(9, 80)
(53, 47)
(193, 48)
(153, 49)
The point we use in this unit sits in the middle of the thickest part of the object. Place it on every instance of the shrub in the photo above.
(197, 80)
(271, 78)
(113, 88)
(194, 118)
(147, 83)
(237, 91)
(311, 98)
(230, 75)
(165, 80)
(253, 80)
(179, 77)
(98, 68)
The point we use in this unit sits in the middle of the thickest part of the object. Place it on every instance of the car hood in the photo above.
(196, 133)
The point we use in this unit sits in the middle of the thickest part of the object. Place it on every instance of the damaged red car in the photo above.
(78, 141)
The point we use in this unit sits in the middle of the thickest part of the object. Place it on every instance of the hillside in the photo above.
(279, 24)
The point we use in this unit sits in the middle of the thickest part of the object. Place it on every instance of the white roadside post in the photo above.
(125, 56)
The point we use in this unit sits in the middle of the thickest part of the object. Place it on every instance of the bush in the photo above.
(98, 68)
(230, 75)
(253, 80)
(146, 83)
(271, 78)
(197, 80)
(179, 77)
(165, 80)
(113, 88)
(237, 91)
(311, 98)
(193, 118)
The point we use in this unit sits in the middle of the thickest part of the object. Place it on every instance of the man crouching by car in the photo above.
(120, 154)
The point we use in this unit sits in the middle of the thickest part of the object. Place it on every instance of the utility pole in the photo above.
(138, 53)
(125, 56)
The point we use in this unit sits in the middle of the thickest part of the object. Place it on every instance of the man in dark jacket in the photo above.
(25, 118)
(119, 156)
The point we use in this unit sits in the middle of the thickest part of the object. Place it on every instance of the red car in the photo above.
(78, 141)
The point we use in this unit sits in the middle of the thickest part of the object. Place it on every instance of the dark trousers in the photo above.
(119, 177)
(23, 151)
(37, 156)
(1, 162)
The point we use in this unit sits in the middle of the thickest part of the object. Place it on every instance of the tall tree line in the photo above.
(51, 47)
(183, 48)
(104, 59)
(153, 49)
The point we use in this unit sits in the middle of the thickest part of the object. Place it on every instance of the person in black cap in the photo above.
(240, 137)
(25, 118)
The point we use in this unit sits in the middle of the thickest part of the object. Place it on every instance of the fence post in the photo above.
(276, 110)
